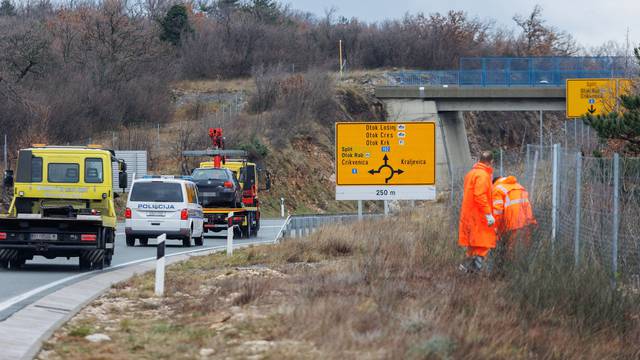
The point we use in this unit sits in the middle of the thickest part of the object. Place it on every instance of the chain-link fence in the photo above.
(586, 205)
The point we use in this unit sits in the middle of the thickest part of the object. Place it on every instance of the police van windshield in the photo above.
(210, 174)
(156, 191)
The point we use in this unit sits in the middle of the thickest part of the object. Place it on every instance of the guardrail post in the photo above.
(616, 216)
(230, 234)
(160, 262)
(576, 234)
(295, 227)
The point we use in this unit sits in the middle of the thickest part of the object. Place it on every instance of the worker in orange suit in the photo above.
(476, 229)
(513, 214)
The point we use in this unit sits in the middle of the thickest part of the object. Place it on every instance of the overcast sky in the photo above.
(591, 22)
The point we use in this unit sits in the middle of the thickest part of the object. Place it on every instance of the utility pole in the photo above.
(541, 131)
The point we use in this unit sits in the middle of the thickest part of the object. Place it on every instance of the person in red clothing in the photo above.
(476, 228)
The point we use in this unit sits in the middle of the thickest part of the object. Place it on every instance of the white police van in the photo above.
(164, 205)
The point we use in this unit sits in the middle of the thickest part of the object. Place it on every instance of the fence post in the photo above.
(501, 167)
(576, 234)
(616, 216)
(534, 169)
(5, 152)
(575, 134)
(581, 134)
(160, 262)
(566, 144)
(526, 163)
(554, 199)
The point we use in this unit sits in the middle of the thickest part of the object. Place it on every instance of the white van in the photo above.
(163, 205)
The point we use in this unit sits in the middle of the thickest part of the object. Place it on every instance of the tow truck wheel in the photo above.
(186, 241)
(84, 263)
(99, 264)
(131, 241)
(107, 259)
(4, 264)
(199, 240)
(17, 263)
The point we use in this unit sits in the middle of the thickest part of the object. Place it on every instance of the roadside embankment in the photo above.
(384, 289)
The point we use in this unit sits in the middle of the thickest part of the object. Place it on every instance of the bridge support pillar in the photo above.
(453, 130)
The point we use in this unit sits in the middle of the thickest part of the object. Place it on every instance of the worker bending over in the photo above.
(513, 214)
(476, 229)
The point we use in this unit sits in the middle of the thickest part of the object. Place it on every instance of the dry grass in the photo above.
(207, 86)
(386, 289)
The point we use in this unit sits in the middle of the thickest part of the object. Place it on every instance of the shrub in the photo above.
(548, 280)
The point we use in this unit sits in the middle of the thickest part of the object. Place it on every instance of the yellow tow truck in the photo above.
(62, 206)
(246, 217)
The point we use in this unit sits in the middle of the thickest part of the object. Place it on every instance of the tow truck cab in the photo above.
(63, 206)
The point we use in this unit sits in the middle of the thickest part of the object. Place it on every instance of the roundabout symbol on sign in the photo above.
(392, 171)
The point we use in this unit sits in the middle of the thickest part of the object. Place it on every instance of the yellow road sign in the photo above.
(594, 96)
(385, 153)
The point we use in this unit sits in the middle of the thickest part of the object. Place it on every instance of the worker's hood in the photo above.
(483, 166)
(507, 180)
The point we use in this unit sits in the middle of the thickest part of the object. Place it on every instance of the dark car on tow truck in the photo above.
(217, 187)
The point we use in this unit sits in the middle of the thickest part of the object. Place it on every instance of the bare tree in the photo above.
(538, 39)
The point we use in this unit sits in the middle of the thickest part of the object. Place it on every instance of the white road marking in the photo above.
(16, 299)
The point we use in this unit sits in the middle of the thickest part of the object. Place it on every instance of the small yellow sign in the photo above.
(385, 153)
(594, 96)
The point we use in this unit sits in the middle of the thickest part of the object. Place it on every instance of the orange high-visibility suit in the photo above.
(512, 210)
(474, 232)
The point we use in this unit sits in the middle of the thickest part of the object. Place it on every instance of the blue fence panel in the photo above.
(529, 71)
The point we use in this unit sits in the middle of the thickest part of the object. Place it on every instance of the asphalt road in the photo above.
(43, 273)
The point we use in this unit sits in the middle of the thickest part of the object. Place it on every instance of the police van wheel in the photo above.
(199, 241)
(131, 241)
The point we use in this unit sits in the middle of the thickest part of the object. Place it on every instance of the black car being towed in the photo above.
(217, 187)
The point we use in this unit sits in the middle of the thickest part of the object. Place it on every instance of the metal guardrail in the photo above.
(525, 71)
(304, 225)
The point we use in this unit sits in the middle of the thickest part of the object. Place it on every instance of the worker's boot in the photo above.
(478, 263)
(471, 265)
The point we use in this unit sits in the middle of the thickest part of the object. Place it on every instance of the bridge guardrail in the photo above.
(523, 71)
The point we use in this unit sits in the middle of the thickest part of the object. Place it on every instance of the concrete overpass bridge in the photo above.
(445, 106)
(491, 84)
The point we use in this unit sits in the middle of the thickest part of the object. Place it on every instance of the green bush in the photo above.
(256, 149)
